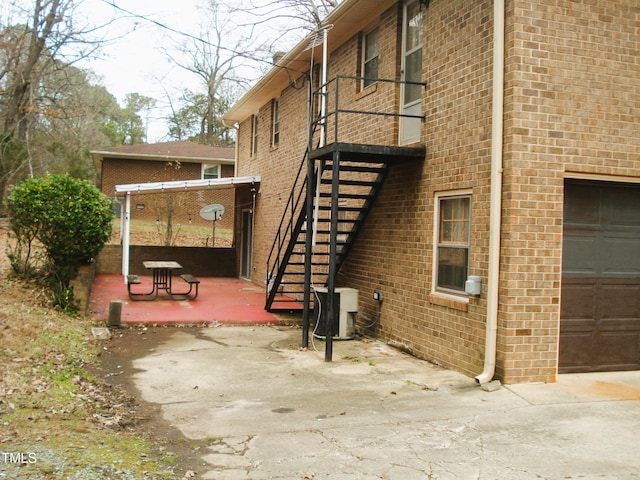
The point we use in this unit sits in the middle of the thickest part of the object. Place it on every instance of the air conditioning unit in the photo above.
(346, 308)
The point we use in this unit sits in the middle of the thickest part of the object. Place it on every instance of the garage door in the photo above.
(600, 310)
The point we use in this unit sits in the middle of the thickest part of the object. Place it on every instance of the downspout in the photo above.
(323, 124)
(495, 214)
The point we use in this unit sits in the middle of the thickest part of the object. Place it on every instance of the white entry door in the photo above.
(247, 244)
(410, 94)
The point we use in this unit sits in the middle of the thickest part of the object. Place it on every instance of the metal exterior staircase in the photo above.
(359, 183)
(341, 179)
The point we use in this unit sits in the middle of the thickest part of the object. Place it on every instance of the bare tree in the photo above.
(33, 50)
(290, 20)
(36, 53)
(225, 60)
(229, 54)
(75, 117)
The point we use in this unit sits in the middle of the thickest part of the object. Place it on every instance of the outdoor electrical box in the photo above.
(473, 285)
(345, 310)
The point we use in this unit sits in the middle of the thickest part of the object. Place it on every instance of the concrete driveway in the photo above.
(270, 410)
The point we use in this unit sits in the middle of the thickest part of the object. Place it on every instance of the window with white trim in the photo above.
(254, 135)
(275, 122)
(370, 50)
(451, 265)
(210, 171)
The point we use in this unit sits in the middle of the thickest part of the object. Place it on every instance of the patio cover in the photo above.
(175, 185)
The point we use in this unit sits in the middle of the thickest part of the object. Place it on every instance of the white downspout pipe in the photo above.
(323, 125)
(125, 236)
(495, 214)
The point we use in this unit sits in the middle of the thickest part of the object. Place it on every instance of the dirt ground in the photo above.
(43, 388)
(116, 368)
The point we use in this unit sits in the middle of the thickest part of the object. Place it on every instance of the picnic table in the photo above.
(162, 273)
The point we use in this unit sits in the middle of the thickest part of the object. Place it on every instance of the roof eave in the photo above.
(348, 18)
(101, 155)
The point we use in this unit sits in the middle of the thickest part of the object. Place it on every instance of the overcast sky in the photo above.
(133, 63)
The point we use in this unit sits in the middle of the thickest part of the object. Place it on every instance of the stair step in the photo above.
(320, 253)
(340, 209)
(327, 232)
(313, 264)
(342, 220)
(357, 168)
(315, 273)
(354, 196)
(351, 183)
(323, 243)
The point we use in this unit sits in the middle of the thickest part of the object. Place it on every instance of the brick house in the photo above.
(168, 161)
(499, 234)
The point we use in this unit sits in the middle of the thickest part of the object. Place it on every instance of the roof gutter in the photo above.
(495, 214)
(100, 155)
(346, 18)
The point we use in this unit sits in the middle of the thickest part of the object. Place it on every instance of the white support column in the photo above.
(125, 236)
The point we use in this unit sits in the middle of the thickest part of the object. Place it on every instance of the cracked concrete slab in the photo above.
(270, 410)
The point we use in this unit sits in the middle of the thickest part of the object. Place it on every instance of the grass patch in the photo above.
(146, 232)
(57, 420)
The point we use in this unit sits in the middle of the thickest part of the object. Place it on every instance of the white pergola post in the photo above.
(125, 236)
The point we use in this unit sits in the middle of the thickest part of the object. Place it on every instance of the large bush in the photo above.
(70, 218)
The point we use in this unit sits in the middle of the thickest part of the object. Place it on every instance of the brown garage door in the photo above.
(600, 312)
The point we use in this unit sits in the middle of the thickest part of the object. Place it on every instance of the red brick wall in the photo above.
(571, 109)
(205, 262)
(394, 253)
(572, 83)
(187, 205)
(277, 167)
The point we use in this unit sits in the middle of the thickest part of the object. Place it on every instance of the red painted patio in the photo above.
(220, 300)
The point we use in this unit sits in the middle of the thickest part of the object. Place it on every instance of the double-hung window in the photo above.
(370, 51)
(453, 239)
(210, 171)
(254, 135)
(275, 121)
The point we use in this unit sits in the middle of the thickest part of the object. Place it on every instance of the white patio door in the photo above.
(411, 95)
(247, 244)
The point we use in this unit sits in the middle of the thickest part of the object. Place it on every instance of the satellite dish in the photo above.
(212, 212)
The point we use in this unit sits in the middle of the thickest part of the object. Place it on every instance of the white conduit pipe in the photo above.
(323, 125)
(495, 215)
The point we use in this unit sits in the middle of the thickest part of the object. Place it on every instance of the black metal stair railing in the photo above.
(288, 229)
(358, 160)
(286, 266)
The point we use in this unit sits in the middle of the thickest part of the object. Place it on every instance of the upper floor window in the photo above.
(210, 171)
(370, 50)
(275, 121)
(254, 135)
(453, 241)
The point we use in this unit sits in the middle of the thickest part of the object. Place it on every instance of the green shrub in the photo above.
(70, 218)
